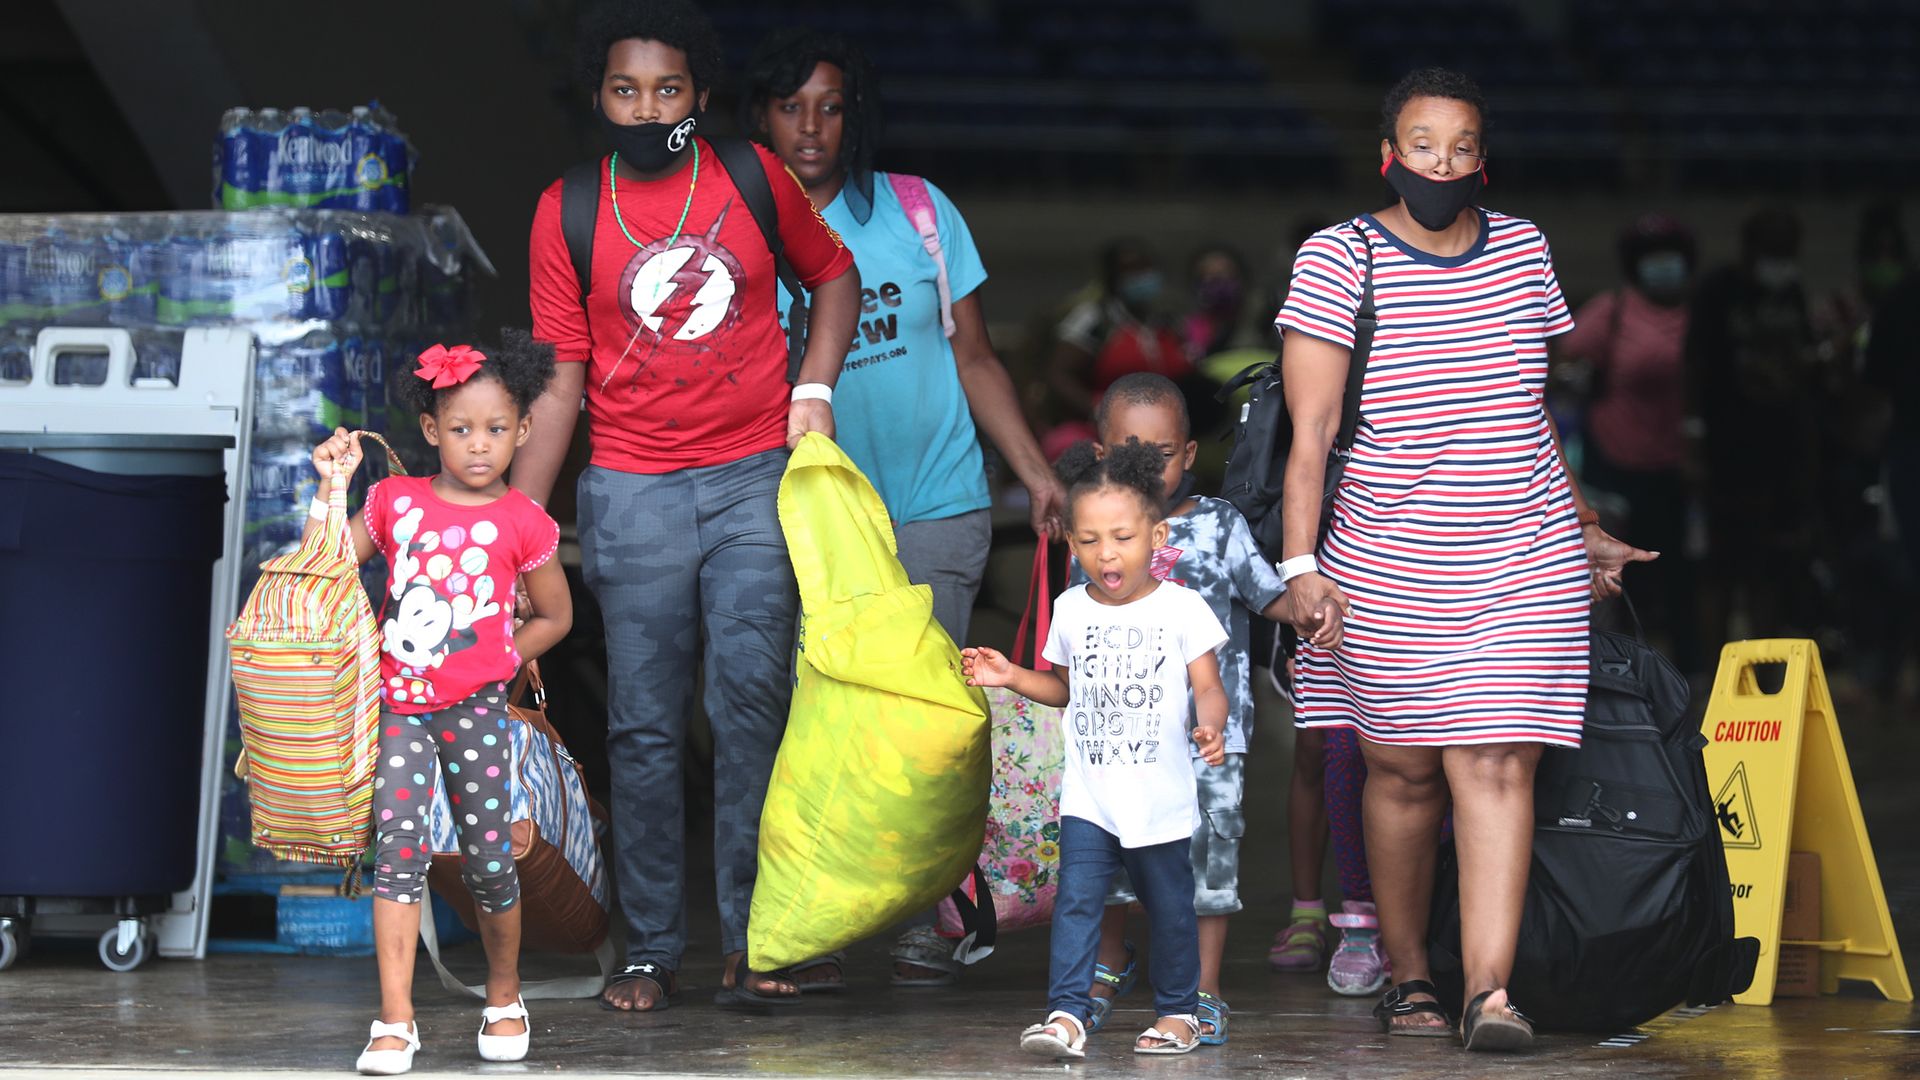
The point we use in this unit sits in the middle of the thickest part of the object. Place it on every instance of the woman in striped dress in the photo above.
(1459, 547)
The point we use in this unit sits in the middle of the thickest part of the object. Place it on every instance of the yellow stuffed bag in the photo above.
(879, 792)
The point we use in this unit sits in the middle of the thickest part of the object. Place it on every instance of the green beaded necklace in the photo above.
(613, 190)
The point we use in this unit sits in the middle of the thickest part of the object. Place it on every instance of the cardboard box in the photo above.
(1798, 974)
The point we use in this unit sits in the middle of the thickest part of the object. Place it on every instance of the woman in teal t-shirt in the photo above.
(921, 372)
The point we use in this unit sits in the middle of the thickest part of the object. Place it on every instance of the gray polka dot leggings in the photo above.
(469, 742)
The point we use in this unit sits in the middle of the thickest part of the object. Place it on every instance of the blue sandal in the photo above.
(1121, 984)
(1213, 1012)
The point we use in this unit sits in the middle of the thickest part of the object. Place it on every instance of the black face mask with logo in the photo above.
(1435, 204)
(650, 148)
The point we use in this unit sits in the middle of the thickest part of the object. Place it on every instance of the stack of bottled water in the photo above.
(330, 160)
(334, 300)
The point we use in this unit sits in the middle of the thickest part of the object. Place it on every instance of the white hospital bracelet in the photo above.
(1294, 567)
(813, 391)
(317, 509)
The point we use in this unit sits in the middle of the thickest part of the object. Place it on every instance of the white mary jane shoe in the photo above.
(388, 1062)
(505, 1047)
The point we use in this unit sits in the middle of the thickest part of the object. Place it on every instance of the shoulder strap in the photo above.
(742, 162)
(579, 210)
(559, 988)
(917, 201)
(1364, 323)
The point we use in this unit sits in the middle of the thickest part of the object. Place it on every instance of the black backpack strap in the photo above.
(1364, 322)
(579, 210)
(742, 162)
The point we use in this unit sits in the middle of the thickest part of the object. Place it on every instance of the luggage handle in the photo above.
(1040, 601)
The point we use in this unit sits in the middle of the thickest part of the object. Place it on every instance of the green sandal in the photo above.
(1121, 984)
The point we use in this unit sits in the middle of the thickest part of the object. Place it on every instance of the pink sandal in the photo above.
(1302, 945)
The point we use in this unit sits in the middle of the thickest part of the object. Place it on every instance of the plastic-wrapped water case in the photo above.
(331, 160)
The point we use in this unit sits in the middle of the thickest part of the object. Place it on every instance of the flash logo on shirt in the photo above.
(685, 291)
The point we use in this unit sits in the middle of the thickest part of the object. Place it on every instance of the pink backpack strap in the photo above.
(917, 201)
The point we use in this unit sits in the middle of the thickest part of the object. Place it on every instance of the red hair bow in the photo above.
(444, 367)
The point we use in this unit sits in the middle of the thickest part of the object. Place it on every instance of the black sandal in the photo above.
(740, 995)
(665, 984)
(1395, 1006)
(1509, 1031)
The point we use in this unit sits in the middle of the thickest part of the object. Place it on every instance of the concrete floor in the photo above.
(62, 1014)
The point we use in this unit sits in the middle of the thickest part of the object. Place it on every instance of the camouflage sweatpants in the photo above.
(686, 565)
(1216, 842)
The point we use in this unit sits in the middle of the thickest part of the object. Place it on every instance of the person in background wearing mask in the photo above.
(680, 356)
(1755, 378)
(1631, 342)
(1216, 326)
(1110, 333)
(1217, 320)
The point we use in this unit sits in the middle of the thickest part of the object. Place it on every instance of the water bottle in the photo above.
(263, 134)
(16, 353)
(234, 167)
(327, 252)
(364, 257)
(17, 303)
(182, 296)
(365, 144)
(365, 383)
(156, 355)
(396, 155)
(302, 390)
(129, 278)
(280, 484)
(63, 272)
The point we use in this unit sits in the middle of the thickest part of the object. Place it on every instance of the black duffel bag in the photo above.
(1629, 912)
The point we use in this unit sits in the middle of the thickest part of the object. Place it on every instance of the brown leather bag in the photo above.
(558, 909)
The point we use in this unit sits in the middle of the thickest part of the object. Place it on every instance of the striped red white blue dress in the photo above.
(1454, 531)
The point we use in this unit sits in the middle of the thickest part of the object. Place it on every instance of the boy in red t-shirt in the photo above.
(682, 362)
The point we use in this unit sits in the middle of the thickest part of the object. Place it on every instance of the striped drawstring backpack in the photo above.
(306, 669)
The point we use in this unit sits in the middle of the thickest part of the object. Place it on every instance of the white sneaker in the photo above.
(388, 1062)
(505, 1047)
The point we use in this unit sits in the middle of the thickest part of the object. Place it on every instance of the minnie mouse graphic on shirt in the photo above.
(443, 633)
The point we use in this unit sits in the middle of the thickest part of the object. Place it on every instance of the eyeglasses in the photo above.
(1429, 160)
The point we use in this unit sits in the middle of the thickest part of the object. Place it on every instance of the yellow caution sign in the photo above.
(1781, 783)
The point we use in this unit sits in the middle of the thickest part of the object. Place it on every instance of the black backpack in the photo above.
(1263, 438)
(1629, 911)
(580, 211)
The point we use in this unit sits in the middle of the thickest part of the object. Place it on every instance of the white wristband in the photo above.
(813, 391)
(317, 510)
(1294, 567)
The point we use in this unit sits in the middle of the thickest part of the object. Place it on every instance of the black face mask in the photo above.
(650, 148)
(1435, 204)
(1182, 491)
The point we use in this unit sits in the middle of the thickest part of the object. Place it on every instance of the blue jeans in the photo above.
(689, 566)
(1162, 876)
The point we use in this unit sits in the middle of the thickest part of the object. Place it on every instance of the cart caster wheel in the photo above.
(9, 948)
(126, 946)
